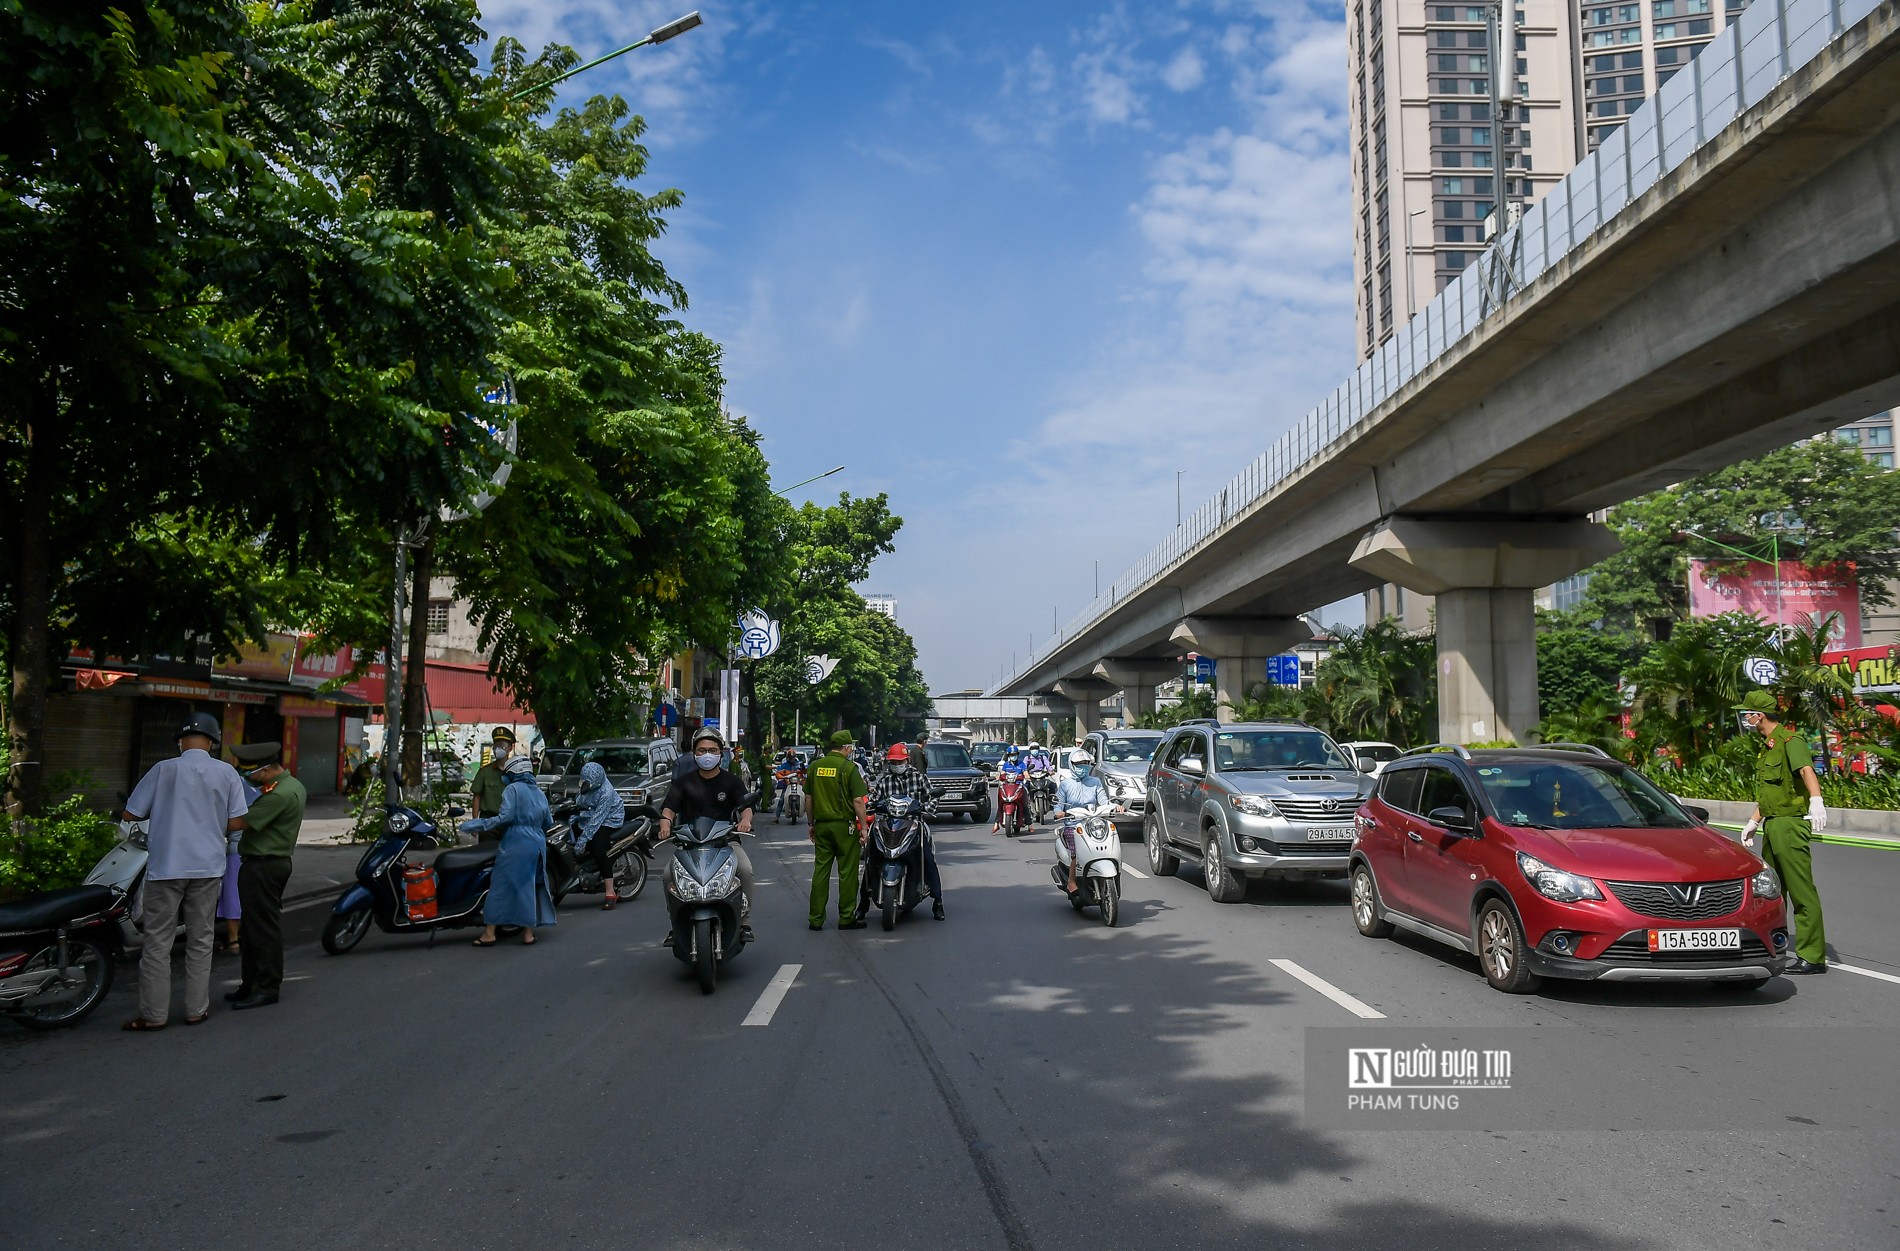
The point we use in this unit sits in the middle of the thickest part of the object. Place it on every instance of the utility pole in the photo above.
(1499, 261)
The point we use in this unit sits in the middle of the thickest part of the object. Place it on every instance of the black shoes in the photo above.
(1802, 968)
(746, 935)
(242, 992)
(669, 939)
(814, 925)
(852, 925)
(256, 999)
(936, 909)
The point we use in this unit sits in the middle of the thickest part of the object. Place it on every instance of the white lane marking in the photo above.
(1132, 871)
(1329, 990)
(772, 995)
(1850, 968)
(309, 903)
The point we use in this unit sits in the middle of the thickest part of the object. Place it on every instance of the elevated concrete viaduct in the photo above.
(1748, 298)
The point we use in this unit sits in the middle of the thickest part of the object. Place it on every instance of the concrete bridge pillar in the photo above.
(1240, 647)
(1087, 694)
(1137, 679)
(1483, 575)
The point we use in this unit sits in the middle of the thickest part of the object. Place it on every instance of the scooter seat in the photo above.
(467, 857)
(54, 907)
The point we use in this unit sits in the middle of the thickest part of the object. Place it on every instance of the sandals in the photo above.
(485, 942)
(200, 1019)
(527, 939)
(609, 905)
(139, 1025)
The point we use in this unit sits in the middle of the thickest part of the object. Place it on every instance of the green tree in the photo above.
(1378, 683)
(1578, 660)
(1821, 499)
(1686, 687)
(1195, 703)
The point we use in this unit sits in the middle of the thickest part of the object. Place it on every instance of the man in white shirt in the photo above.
(190, 803)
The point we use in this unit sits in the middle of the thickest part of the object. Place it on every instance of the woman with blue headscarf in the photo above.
(518, 890)
(597, 825)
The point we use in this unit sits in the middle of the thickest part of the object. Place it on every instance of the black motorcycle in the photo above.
(57, 951)
(571, 873)
(703, 898)
(894, 859)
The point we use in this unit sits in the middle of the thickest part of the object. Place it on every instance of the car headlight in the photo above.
(399, 822)
(1766, 884)
(1555, 883)
(1253, 806)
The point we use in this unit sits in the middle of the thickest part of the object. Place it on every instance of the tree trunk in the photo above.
(30, 639)
(415, 673)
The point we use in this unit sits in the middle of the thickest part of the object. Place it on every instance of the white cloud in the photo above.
(1185, 71)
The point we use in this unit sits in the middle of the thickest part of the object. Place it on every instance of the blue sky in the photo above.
(1013, 264)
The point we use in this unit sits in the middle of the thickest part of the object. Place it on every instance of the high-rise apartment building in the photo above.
(1873, 435)
(1626, 52)
(1421, 114)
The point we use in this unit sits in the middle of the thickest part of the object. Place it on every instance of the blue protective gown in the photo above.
(518, 893)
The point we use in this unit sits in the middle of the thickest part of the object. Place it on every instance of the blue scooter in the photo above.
(461, 884)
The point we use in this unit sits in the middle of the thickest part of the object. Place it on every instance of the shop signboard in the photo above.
(1802, 594)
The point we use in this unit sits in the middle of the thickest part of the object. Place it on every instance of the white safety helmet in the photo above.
(1034, 745)
(1080, 757)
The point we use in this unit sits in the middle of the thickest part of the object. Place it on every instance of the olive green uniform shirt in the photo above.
(485, 790)
(832, 785)
(275, 818)
(1778, 787)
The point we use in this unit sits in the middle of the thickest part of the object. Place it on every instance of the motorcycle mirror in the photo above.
(456, 810)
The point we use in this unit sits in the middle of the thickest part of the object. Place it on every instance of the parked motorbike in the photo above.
(405, 897)
(703, 898)
(1098, 861)
(123, 870)
(1012, 805)
(894, 859)
(571, 873)
(57, 950)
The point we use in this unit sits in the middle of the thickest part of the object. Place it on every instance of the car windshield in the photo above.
(1129, 750)
(1242, 751)
(1561, 795)
(989, 751)
(946, 756)
(626, 759)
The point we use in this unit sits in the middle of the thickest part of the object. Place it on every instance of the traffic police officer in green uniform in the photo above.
(835, 798)
(270, 839)
(1788, 812)
(485, 790)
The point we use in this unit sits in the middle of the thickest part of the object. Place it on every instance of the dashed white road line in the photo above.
(1132, 871)
(309, 903)
(1329, 990)
(772, 995)
(1854, 968)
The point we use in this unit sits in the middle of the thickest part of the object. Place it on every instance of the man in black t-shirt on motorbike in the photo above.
(712, 791)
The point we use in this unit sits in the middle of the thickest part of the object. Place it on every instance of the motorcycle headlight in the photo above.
(1555, 883)
(399, 822)
(1766, 884)
(1254, 806)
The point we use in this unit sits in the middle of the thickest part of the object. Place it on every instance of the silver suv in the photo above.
(1260, 799)
(1122, 758)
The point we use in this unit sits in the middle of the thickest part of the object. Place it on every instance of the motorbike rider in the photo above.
(712, 790)
(1037, 760)
(900, 781)
(597, 826)
(785, 768)
(1075, 794)
(1011, 770)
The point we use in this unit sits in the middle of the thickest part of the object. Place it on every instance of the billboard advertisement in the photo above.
(1804, 593)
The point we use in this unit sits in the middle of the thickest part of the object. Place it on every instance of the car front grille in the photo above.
(1633, 948)
(1316, 807)
(1679, 901)
(1317, 847)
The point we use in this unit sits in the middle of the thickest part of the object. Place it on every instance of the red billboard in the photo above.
(1803, 594)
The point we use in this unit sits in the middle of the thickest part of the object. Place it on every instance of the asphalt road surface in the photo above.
(1015, 1077)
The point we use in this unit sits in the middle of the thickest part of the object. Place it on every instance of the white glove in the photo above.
(1817, 814)
(1748, 832)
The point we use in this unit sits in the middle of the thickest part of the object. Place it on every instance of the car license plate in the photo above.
(950, 792)
(1695, 940)
(1328, 833)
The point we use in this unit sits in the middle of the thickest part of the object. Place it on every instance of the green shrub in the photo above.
(1718, 779)
(55, 850)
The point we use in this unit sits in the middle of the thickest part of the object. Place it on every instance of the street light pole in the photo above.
(807, 482)
(678, 26)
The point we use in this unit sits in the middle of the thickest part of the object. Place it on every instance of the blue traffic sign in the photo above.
(666, 716)
(1203, 670)
(1284, 670)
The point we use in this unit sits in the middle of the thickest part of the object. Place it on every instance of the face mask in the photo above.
(707, 760)
(1082, 772)
(251, 774)
(1750, 722)
(501, 752)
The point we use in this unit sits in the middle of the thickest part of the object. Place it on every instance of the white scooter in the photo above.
(1098, 859)
(124, 869)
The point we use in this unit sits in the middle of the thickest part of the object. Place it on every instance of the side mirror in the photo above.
(1697, 811)
(1457, 820)
(456, 810)
(1193, 764)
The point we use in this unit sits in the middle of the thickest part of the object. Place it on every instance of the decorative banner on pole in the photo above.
(1761, 670)
(818, 668)
(503, 429)
(758, 636)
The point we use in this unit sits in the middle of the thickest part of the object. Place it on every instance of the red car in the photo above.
(1556, 863)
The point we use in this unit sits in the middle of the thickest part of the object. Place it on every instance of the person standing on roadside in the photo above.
(518, 893)
(270, 839)
(486, 790)
(192, 802)
(835, 796)
(1789, 813)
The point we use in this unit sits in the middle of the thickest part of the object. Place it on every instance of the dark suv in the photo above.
(958, 785)
(640, 769)
(1261, 799)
